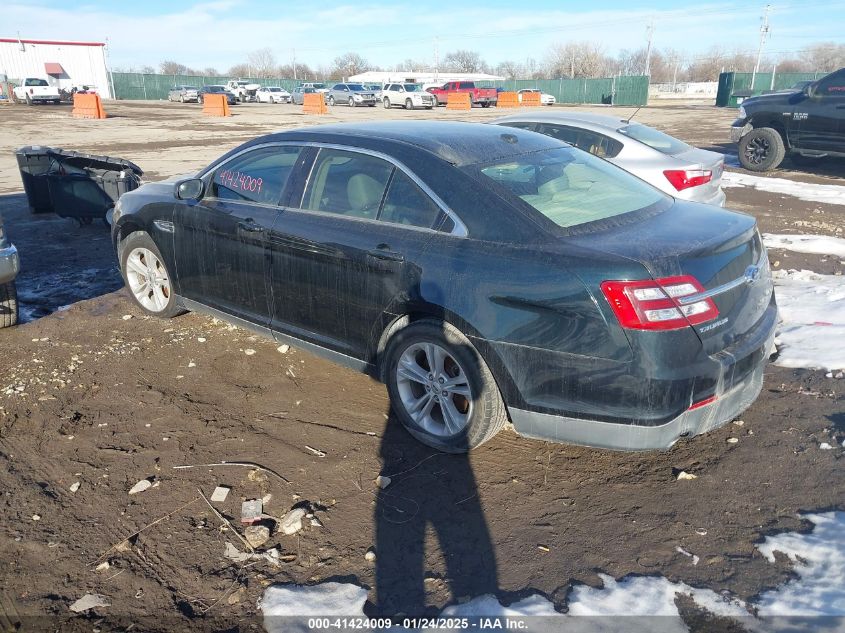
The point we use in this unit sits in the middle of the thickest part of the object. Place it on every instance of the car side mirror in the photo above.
(190, 189)
(810, 90)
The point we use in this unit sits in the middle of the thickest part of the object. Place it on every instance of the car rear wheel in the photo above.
(761, 149)
(8, 304)
(147, 277)
(441, 389)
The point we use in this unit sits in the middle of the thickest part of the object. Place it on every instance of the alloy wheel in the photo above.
(757, 150)
(148, 279)
(434, 389)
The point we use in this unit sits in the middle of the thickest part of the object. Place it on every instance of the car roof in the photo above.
(597, 120)
(456, 142)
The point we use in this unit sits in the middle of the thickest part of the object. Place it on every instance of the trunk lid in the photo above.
(721, 249)
(693, 159)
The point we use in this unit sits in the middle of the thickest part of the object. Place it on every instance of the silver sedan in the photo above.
(682, 171)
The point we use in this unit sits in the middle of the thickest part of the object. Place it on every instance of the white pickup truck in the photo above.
(243, 90)
(36, 90)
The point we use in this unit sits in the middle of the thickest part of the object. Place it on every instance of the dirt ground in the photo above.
(95, 393)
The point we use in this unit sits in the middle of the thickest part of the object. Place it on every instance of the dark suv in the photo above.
(808, 123)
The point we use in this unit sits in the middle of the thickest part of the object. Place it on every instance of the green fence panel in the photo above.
(606, 90)
(732, 83)
(155, 86)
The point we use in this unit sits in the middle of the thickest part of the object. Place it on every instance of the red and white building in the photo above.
(62, 64)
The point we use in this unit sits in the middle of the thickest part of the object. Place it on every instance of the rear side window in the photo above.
(347, 183)
(587, 140)
(257, 176)
(655, 139)
(407, 204)
(571, 187)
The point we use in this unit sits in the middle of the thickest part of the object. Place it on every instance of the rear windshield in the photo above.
(36, 82)
(657, 140)
(571, 187)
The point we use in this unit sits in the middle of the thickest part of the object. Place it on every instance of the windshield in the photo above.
(571, 187)
(656, 140)
(413, 88)
(318, 86)
(274, 89)
(356, 87)
(36, 82)
(190, 88)
(214, 88)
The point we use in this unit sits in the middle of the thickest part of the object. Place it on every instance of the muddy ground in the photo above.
(96, 393)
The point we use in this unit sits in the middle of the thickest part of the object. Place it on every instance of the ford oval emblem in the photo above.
(752, 274)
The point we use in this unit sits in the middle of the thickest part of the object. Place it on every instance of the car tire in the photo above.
(331, 101)
(436, 101)
(431, 107)
(472, 417)
(409, 104)
(762, 149)
(28, 100)
(199, 100)
(139, 260)
(8, 304)
(351, 102)
(181, 98)
(386, 103)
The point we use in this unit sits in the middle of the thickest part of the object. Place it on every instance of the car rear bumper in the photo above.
(735, 377)
(9, 264)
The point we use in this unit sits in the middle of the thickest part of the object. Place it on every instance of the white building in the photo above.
(425, 78)
(62, 64)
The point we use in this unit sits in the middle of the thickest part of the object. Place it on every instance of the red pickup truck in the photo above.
(485, 97)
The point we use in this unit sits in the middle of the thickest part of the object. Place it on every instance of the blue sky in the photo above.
(221, 33)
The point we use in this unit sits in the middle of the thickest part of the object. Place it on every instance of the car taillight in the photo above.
(658, 304)
(685, 178)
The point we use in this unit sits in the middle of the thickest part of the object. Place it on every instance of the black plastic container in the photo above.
(34, 163)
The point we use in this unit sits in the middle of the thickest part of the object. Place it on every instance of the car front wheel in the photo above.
(386, 103)
(147, 277)
(441, 389)
(409, 104)
(762, 149)
(8, 304)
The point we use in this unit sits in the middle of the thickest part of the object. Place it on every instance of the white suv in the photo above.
(408, 95)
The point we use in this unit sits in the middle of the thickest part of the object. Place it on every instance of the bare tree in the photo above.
(578, 59)
(510, 70)
(349, 64)
(825, 56)
(415, 66)
(303, 71)
(210, 72)
(239, 70)
(262, 63)
(707, 67)
(170, 67)
(463, 61)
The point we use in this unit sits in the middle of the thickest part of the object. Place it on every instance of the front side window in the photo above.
(571, 187)
(832, 85)
(256, 176)
(347, 183)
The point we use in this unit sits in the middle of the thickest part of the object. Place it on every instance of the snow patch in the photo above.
(812, 310)
(489, 606)
(282, 602)
(810, 192)
(813, 244)
(819, 561)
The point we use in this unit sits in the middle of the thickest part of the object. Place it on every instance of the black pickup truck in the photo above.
(808, 123)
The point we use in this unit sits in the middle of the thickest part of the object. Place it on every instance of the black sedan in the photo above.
(231, 99)
(484, 274)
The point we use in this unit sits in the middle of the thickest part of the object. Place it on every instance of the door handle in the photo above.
(250, 226)
(383, 252)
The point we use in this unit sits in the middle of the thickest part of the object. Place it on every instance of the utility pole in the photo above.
(436, 60)
(294, 63)
(649, 34)
(764, 34)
